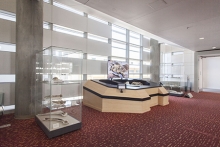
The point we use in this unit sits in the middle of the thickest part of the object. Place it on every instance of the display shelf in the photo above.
(58, 90)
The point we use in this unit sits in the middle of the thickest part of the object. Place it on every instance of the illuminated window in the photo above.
(146, 62)
(118, 49)
(97, 57)
(97, 19)
(134, 52)
(90, 77)
(46, 25)
(7, 15)
(118, 33)
(118, 59)
(66, 30)
(97, 38)
(67, 8)
(134, 38)
(134, 66)
(7, 47)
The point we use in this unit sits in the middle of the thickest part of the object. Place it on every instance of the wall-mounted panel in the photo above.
(68, 41)
(100, 29)
(7, 78)
(98, 48)
(146, 69)
(47, 38)
(146, 56)
(8, 5)
(146, 43)
(47, 12)
(96, 67)
(8, 32)
(7, 62)
(69, 19)
(9, 93)
(84, 69)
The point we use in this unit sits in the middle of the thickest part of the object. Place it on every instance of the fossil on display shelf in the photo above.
(53, 96)
(65, 122)
(55, 113)
(59, 102)
(57, 80)
(136, 83)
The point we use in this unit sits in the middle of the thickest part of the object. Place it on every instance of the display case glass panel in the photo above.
(58, 90)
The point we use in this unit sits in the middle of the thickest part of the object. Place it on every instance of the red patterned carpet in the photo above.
(184, 122)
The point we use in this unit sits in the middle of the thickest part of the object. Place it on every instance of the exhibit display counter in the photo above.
(138, 96)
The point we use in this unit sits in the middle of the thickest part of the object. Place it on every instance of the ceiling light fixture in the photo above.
(201, 38)
(213, 47)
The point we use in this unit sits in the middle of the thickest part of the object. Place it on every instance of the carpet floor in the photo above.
(184, 122)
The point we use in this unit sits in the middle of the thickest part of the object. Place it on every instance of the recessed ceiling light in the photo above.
(213, 47)
(201, 38)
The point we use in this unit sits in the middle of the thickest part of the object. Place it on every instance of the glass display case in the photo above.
(58, 90)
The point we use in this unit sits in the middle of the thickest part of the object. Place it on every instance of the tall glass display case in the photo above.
(58, 90)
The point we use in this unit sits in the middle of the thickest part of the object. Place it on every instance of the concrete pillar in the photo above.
(29, 40)
(155, 61)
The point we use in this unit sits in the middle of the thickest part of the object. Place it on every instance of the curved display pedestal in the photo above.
(132, 100)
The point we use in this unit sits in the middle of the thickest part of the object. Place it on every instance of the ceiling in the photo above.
(180, 21)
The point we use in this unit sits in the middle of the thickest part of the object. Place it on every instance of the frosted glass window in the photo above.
(7, 15)
(47, 1)
(7, 47)
(46, 25)
(118, 52)
(146, 50)
(146, 76)
(90, 77)
(66, 30)
(97, 19)
(134, 38)
(57, 4)
(97, 57)
(120, 45)
(134, 66)
(134, 52)
(118, 59)
(177, 53)
(134, 76)
(146, 62)
(7, 78)
(118, 33)
(97, 38)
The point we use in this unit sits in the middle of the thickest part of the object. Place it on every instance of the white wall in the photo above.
(211, 73)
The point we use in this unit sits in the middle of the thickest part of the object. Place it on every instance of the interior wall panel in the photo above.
(9, 93)
(146, 69)
(68, 41)
(98, 48)
(96, 67)
(7, 31)
(69, 19)
(211, 73)
(99, 29)
(7, 62)
(146, 43)
(146, 56)
(8, 5)
(47, 12)
(47, 38)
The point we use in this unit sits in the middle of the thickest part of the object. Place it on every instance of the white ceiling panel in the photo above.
(179, 21)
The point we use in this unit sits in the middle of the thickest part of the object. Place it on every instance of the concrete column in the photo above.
(29, 40)
(155, 61)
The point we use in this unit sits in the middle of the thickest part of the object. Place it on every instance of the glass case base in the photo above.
(58, 124)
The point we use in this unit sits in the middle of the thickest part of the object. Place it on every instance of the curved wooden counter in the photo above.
(132, 100)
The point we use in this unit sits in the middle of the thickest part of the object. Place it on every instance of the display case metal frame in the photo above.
(58, 90)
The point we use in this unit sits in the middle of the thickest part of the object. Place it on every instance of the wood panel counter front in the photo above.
(110, 99)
